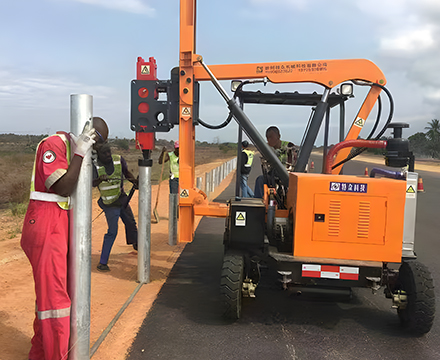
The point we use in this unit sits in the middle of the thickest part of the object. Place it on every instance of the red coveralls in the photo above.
(45, 242)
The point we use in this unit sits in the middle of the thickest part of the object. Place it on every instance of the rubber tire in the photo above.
(231, 285)
(416, 280)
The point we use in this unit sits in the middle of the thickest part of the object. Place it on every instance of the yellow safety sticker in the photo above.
(359, 122)
(186, 111)
(410, 191)
(184, 193)
(240, 218)
(145, 69)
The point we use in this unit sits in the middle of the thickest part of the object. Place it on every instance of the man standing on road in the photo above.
(173, 158)
(108, 175)
(45, 235)
(247, 156)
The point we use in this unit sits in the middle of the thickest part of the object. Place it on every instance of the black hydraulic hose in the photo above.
(228, 119)
(379, 113)
(390, 117)
(216, 127)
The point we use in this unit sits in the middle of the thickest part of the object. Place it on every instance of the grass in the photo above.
(16, 168)
(18, 209)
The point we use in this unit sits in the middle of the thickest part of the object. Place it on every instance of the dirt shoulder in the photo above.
(110, 290)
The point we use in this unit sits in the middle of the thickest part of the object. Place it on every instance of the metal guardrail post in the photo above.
(207, 184)
(172, 222)
(199, 183)
(80, 239)
(144, 214)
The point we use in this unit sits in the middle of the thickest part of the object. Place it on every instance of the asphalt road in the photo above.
(185, 321)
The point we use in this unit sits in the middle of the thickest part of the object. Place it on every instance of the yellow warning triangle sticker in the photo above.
(240, 216)
(186, 111)
(410, 190)
(145, 69)
(359, 122)
(184, 194)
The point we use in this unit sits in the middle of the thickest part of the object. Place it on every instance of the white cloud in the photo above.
(294, 4)
(132, 6)
(411, 41)
(43, 92)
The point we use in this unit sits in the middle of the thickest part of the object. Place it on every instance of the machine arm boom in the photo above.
(328, 73)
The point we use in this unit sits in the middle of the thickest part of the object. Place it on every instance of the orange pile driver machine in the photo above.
(323, 230)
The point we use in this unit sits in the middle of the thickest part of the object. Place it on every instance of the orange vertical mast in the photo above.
(186, 127)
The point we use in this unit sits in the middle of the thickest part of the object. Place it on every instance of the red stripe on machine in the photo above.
(330, 272)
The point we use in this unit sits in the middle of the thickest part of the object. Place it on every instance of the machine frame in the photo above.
(290, 235)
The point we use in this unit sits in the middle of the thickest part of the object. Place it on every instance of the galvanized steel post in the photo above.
(80, 239)
(144, 214)
(207, 184)
(172, 216)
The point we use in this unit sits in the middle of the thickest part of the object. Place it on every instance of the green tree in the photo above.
(419, 144)
(433, 135)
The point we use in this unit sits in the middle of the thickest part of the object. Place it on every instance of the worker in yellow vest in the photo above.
(108, 175)
(173, 158)
(247, 157)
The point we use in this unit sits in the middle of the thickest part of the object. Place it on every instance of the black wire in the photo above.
(390, 117)
(379, 114)
(228, 119)
(215, 127)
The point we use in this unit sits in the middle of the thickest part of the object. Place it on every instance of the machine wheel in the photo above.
(416, 281)
(231, 285)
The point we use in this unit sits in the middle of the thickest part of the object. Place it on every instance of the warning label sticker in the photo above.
(410, 191)
(186, 111)
(184, 193)
(359, 122)
(240, 218)
(145, 69)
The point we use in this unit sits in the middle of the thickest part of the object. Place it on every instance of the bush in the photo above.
(18, 209)
(122, 144)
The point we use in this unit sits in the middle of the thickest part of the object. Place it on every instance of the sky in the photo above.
(50, 49)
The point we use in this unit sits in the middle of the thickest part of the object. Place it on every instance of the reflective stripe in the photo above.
(117, 162)
(53, 314)
(109, 197)
(110, 187)
(42, 196)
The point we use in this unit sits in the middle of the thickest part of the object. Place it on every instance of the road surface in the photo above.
(185, 321)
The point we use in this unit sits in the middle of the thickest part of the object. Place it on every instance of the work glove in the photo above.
(135, 183)
(103, 178)
(83, 143)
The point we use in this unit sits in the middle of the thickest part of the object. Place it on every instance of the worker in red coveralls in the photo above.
(45, 235)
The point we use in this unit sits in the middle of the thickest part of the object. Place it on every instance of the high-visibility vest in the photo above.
(174, 165)
(250, 157)
(282, 152)
(62, 201)
(111, 190)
